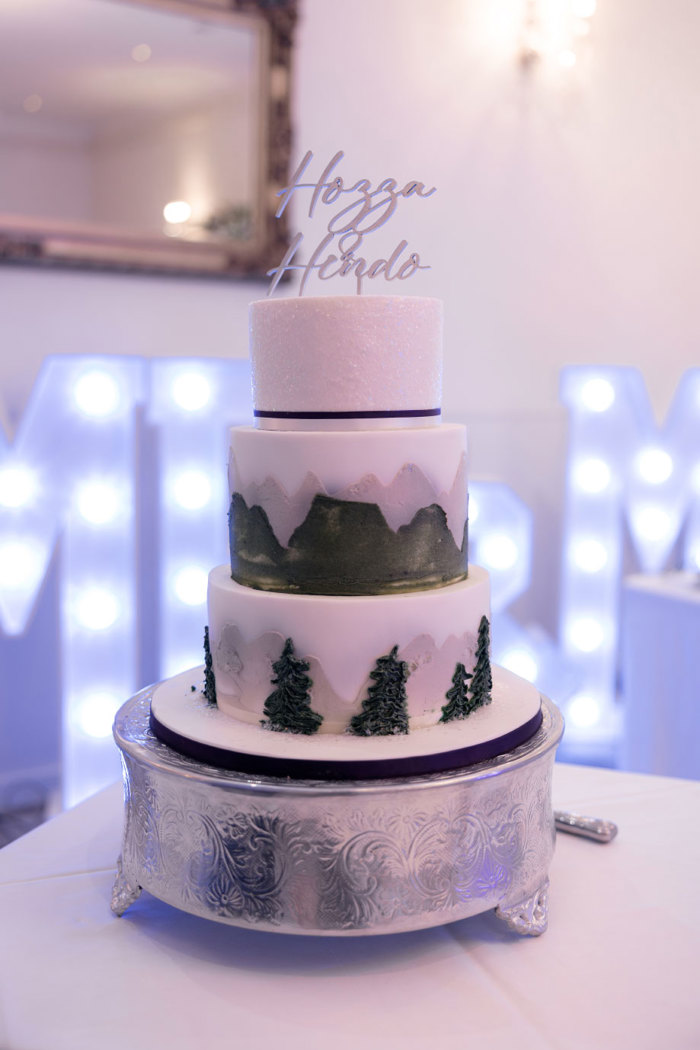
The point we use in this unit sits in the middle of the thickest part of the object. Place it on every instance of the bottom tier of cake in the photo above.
(341, 640)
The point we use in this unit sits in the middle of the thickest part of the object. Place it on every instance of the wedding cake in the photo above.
(348, 636)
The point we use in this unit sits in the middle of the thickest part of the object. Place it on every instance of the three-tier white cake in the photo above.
(348, 636)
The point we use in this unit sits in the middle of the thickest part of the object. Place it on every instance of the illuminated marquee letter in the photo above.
(70, 472)
(193, 404)
(621, 463)
(73, 472)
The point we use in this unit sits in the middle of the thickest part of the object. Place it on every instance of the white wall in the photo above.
(564, 229)
(185, 157)
(25, 160)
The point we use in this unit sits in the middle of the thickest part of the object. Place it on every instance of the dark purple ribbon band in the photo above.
(408, 413)
(354, 769)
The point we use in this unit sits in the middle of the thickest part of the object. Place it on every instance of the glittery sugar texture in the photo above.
(346, 354)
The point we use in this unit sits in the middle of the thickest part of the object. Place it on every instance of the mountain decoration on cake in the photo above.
(384, 712)
(406, 493)
(288, 708)
(244, 669)
(344, 547)
(209, 679)
(459, 705)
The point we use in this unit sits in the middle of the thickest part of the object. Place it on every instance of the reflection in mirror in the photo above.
(147, 134)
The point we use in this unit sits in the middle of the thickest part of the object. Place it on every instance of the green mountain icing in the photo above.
(344, 547)
(249, 531)
(384, 712)
(288, 708)
(460, 704)
(209, 679)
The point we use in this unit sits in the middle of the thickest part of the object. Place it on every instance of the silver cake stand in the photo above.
(337, 858)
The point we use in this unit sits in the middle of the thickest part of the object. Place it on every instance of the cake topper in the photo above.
(357, 210)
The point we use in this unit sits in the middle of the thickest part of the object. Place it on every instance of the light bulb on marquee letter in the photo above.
(18, 486)
(96, 394)
(191, 489)
(96, 609)
(592, 475)
(97, 502)
(191, 391)
(654, 465)
(597, 394)
(520, 662)
(498, 552)
(190, 585)
(583, 711)
(589, 555)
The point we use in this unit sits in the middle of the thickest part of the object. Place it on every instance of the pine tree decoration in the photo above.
(209, 679)
(481, 683)
(288, 708)
(460, 705)
(384, 712)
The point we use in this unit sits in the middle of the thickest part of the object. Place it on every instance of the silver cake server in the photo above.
(587, 827)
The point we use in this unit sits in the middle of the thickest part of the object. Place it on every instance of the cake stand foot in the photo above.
(529, 917)
(124, 892)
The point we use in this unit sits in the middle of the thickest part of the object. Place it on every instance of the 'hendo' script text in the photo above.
(363, 209)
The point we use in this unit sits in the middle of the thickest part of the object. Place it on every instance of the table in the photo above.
(616, 969)
(660, 636)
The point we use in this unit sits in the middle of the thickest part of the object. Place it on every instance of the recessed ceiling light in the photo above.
(141, 53)
(32, 103)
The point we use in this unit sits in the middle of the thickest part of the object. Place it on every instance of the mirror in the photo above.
(145, 135)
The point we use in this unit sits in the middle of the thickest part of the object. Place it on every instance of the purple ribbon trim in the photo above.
(398, 414)
(355, 769)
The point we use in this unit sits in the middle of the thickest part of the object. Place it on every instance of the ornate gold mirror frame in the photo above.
(224, 238)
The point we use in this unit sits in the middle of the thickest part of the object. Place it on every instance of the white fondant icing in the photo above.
(345, 354)
(399, 470)
(244, 670)
(349, 423)
(176, 706)
(343, 636)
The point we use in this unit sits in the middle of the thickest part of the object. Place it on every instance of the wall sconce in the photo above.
(554, 31)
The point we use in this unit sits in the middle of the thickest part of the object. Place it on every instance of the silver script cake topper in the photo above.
(362, 210)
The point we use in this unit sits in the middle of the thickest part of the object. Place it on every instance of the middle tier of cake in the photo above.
(348, 512)
(348, 643)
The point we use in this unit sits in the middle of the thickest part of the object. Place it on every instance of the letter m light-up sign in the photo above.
(621, 467)
(137, 531)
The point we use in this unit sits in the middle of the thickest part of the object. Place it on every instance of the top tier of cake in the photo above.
(346, 362)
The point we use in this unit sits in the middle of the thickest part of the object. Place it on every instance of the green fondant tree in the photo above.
(288, 708)
(481, 683)
(460, 704)
(384, 712)
(209, 679)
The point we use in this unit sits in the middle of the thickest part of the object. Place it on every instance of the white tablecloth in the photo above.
(661, 674)
(618, 967)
